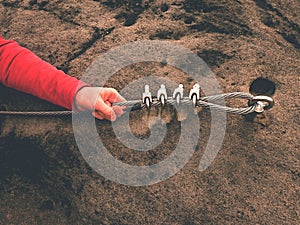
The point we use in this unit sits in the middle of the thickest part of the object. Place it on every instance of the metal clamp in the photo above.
(262, 103)
(147, 97)
(178, 94)
(194, 95)
(162, 95)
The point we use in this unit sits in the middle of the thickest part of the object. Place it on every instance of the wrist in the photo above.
(79, 99)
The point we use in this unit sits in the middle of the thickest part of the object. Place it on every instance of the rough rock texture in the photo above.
(254, 179)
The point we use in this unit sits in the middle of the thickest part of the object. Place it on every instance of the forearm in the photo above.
(22, 70)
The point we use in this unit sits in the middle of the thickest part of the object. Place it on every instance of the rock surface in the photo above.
(255, 177)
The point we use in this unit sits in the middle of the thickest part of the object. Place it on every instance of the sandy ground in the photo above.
(255, 177)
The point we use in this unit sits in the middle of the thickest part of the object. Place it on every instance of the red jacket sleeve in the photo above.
(24, 71)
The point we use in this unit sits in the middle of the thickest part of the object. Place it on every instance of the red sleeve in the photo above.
(24, 71)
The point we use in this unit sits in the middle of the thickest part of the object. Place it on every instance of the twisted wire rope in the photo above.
(208, 101)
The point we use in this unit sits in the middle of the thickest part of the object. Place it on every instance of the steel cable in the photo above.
(208, 102)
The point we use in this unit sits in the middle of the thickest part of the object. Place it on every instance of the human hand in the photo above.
(99, 100)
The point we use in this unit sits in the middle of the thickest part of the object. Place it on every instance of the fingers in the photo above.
(104, 110)
(98, 115)
(118, 110)
(107, 96)
(111, 95)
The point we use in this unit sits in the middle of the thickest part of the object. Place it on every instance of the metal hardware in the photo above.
(262, 103)
(162, 94)
(178, 94)
(147, 97)
(256, 104)
(194, 95)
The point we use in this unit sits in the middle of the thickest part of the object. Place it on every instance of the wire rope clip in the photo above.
(178, 94)
(194, 95)
(162, 95)
(147, 97)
